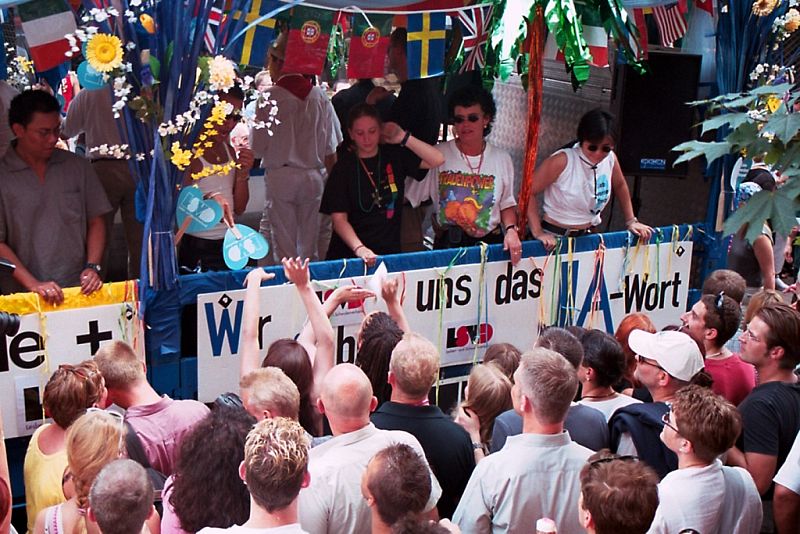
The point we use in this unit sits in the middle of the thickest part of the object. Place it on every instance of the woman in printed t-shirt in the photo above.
(577, 183)
(473, 190)
(364, 193)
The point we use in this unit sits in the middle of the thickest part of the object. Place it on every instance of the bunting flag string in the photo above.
(475, 33)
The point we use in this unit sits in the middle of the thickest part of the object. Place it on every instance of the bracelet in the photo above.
(630, 222)
(512, 227)
(355, 250)
(405, 139)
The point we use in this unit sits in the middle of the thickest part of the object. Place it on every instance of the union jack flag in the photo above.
(475, 29)
(214, 20)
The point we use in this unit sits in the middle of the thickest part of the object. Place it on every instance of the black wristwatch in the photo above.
(95, 267)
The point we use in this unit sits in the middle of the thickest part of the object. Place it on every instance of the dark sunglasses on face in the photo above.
(604, 148)
(472, 117)
(235, 116)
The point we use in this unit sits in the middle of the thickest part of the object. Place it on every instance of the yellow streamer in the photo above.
(26, 303)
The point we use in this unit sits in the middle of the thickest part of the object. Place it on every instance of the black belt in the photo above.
(566, 232)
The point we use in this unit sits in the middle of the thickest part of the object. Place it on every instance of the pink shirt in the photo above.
(733, 378)
(161, 427)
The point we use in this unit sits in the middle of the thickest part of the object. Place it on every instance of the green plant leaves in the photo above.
(694, 149)
(778, 207)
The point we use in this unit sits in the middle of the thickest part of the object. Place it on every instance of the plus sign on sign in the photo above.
(44, 342)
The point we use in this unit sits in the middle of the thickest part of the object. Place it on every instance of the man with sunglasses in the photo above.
(771, 413)
(703, 494)
(715, 320)
(577, 182)
(666, 362)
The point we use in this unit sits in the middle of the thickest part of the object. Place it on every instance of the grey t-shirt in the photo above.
(45, 221)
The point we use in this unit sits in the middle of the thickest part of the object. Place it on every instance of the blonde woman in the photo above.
(93, 440)
(487, 395)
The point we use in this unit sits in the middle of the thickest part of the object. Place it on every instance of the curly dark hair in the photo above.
(207, 490)
(380, 334)
(470, 95)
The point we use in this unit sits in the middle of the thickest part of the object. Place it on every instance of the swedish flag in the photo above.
(252, 48)
(425, 48)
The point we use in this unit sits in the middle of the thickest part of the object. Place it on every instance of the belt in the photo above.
(566, 232)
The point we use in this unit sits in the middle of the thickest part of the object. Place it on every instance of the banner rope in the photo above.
(442, 302)
(481, 298)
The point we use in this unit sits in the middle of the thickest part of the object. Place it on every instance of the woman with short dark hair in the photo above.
(473, 190)
(577, 182)
(602, 367)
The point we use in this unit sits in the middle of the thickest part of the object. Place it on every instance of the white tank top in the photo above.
(580, 192)
(217, 183)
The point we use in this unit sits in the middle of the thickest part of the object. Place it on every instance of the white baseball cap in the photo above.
(674, 351)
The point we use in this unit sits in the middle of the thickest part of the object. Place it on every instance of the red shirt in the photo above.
(733, 378)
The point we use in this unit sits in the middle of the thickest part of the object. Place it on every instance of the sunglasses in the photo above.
(641, 360)
(119, 419)
(604, 148)
(236, 116)
(665, 420)
(472, 117)
(718, 307)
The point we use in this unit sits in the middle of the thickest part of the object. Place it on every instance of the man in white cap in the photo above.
(666, 362)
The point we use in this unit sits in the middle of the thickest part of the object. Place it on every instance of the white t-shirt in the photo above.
(711, 500)
(294, 528)
(468, 191)
(789, 473)
(609, 406)
(580, 192)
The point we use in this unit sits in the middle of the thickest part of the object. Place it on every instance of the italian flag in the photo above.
(593, 33)
(45, 23)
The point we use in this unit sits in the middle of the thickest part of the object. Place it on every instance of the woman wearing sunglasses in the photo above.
(577, 183)
(473, 190)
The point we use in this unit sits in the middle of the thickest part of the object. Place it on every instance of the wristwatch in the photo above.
(95, 267)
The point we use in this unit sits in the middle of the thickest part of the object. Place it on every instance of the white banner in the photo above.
(504, 304)
(45, 341)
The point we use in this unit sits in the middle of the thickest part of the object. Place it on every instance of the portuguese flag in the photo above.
(368, 46)
(307, 47)
(45, 23)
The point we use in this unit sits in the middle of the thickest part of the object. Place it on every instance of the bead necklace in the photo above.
(376, 196)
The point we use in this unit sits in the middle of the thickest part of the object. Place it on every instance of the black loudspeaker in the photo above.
(652, 114)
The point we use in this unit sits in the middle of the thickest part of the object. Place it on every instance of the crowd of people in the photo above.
(698, 438)
(693, 428)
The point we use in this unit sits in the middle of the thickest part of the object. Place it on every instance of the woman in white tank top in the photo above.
(577, 182)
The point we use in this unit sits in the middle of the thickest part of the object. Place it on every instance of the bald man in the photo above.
(333, 501)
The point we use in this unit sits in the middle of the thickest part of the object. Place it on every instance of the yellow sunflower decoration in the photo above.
(104, 52)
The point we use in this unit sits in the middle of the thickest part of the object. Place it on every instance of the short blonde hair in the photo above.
(276, 461)
(93, 441)
(268, 388)
(549, 381)
(415, 365)
(119, 365)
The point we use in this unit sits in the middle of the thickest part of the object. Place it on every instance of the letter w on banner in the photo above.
(309, 33)
(593, 32)
(475, 32)
(368, 46)
(425, 48)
